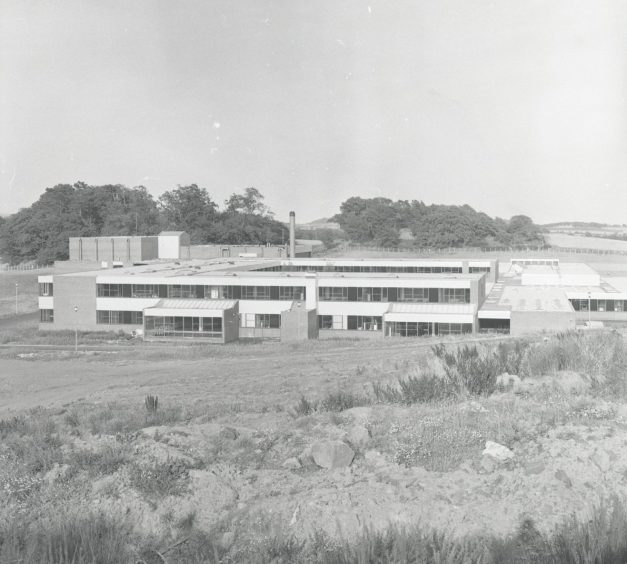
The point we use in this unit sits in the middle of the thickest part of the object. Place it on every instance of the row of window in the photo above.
(599, 305)
(45, 288)
(413, 295)
(365, 268)
(420, 329)
(119, 317)
(478, 269)
(261, 320)
(190, 291)
(178, 326)
(353, 322)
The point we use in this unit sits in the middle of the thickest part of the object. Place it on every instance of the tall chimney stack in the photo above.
(292, 234)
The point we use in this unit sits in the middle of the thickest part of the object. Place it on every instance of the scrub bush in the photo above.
(413, 389)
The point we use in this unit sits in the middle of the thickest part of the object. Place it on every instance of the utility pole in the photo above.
(16, 298)
(75, 330)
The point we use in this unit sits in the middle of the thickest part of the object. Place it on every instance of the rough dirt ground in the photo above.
(559, 469)
(253, 375)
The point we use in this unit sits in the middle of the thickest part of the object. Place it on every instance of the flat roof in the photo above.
(245, 268)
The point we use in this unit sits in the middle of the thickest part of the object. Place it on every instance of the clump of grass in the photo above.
(32, 440)
(596, 354)
(105, 460)
(413, 389)
(336, 401)
(151, 403)
(68, 538)
(112, 419)
(159, 479)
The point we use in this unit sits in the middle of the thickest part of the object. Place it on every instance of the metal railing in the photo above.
(479, 250)
(20, 267)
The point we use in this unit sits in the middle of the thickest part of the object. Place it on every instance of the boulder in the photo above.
(332, 454)
(228, 433)
(358, 435)
(292, 464)
(498, 452)
(488, 464)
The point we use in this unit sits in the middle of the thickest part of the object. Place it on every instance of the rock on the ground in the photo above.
(506, 380)
(563, 477)
(227, 540)
(473, 407)
(535, 467)
(498, 452)
(572, 382)
(229, 433)
(601, 459)
(57, 473)
(292, 464)
(358, 435)
(359, 415)
(332, 454)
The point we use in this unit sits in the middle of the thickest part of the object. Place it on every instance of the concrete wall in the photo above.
(345, 334)
(149, 248)
(169, 246)
(216, 251)
(524, 322)
(259, 333)
(79, 291)
(122, 249)
(299, 324)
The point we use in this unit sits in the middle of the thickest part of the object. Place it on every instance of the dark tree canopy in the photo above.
(41, 232)
(191, 209)
(378, 221)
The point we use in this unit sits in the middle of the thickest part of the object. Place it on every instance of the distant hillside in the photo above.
(383, 222)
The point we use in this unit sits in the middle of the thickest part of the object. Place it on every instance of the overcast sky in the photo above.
(511, 106)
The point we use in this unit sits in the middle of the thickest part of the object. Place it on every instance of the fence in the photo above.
(481, 250)
(10, 267)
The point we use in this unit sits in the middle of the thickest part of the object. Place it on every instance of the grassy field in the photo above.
(582, 242)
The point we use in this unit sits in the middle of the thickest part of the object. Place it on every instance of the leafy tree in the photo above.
(191, 209)
(247, 229)
(250, 202)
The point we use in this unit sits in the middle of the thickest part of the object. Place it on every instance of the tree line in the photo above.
(40, 232)
(381, 222)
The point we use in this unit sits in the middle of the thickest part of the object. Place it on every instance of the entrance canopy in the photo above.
(431, 313)
(202, 308)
